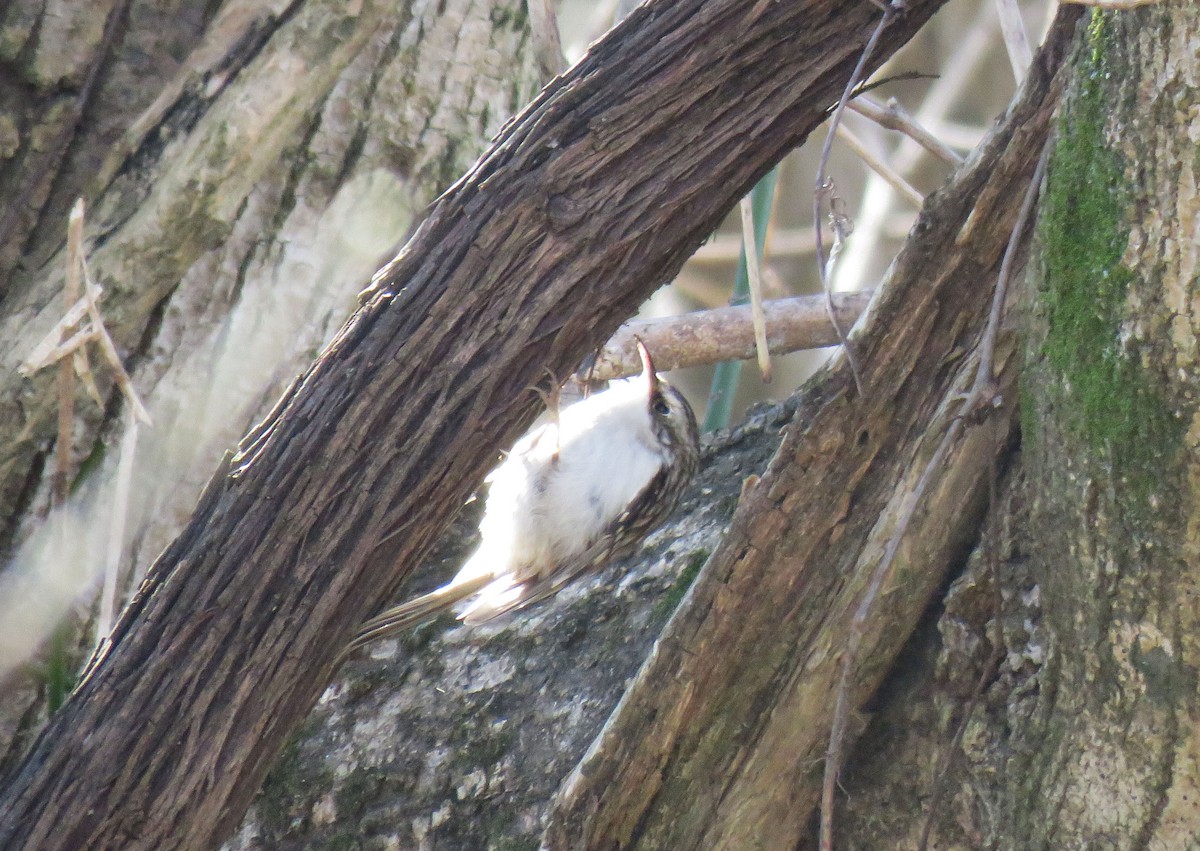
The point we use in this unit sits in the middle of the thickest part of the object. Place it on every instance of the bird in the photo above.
(573, 494)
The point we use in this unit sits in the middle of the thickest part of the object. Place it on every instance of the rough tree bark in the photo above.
(1079, 613)
(246, 169)
(719, 742)
(460, 738)
(231, 638)
(1046, 700)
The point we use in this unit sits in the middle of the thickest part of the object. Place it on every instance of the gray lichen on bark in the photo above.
(457, 738)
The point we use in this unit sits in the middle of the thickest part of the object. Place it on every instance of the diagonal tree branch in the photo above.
(585, 203)
(719, 742)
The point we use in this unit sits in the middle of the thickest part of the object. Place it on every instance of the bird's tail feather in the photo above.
(416, 611)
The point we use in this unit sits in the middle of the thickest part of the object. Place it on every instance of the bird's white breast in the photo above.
(561, 486)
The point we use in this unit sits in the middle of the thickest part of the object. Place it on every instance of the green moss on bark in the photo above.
(670, 601)
(1116, 404)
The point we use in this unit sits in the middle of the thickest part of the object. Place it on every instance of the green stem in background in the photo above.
(60, 667)
(725, 379)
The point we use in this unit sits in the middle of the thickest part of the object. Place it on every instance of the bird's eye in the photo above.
(660, 406)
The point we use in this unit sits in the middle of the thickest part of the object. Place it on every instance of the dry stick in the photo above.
(821, 188)
(55, 352)
(137, 414)
(1016, 40)
(109, 350)
(955, 79)
(116, 531)
(53, 349)
(66, 373)
(45, 352)
(984, 381)
(83, 368)
(754, 278)
(60, 479)
(71, 357)
(725, 333)
(91, 293)
(894, 117)
(885, 171)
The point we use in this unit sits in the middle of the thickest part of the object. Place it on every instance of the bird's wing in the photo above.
(619, 538)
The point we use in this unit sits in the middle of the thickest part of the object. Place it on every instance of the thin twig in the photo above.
(984, 377)
(71, 356)
(83, 369)
(66, 373)
(706, 337)
(53, 347)
(109, 350)
(954, 80)
(56, 351)
(975, 399)
(1016, 40)
(893, 116)
(823, 186)
(753, 272)
(116, 530)
(43, 354)
(943, 95)
(885, 171)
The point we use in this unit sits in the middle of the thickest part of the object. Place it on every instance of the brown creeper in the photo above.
(572, 494)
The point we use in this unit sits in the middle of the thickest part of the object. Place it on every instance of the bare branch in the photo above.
(885, 171)
(1016, 40)
(895, 117)
(754, 273)
(752, 655)
(528, 261)
(824, 186)
(725, 333)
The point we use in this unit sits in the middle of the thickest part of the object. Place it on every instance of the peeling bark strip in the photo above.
(718, 744)
(586, 202)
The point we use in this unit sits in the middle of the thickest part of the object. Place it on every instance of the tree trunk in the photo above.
(239, 199)
(1047, 697)
(458, 738)
(393, 761)
(1045, 700)
(1051, 702)
(614, 174)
